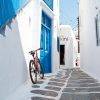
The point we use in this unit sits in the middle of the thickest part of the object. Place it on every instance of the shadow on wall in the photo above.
(13, 68)
(55, 53)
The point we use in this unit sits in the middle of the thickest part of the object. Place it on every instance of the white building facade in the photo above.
(22, 34)
(89, 48)
(68, 47)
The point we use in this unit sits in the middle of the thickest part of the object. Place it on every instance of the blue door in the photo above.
(45, 43)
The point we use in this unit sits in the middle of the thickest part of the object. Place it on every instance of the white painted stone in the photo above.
(23, 36)
(65, 31)
(90, 52)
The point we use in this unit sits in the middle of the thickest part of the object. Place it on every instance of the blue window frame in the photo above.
(9, 9)
(49, 3)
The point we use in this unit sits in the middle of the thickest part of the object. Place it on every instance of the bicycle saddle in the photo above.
(32, 52)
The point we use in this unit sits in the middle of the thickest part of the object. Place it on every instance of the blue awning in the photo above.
(9, 9)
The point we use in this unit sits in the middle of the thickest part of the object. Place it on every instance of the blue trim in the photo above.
(46, 20)
(9, 9)
(45, 42)
(49, 3)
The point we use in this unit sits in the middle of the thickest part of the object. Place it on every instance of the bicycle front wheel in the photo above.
(32, 72)
(41, 70)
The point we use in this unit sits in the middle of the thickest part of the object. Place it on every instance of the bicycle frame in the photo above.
(35, 67)
(35, 57)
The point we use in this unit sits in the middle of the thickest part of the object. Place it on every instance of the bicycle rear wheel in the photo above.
(32, 72)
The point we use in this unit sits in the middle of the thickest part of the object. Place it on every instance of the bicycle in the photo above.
(35, 67)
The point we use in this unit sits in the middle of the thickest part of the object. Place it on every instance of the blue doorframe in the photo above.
(45, 42)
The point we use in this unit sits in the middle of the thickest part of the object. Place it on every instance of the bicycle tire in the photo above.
(32, 72)
(41, 71)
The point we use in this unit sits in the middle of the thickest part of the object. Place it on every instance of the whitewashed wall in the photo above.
(90, 52)
(70, 53)
(55, 53)
(21, 36)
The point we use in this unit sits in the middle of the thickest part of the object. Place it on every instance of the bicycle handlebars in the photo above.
(33, 52)
(39, 49)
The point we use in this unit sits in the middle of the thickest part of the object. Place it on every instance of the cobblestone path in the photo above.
(69, 84)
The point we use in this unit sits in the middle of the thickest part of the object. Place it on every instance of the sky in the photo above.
(69, 12)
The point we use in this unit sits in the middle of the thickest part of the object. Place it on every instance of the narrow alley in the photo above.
(67, 84)
(55, 40)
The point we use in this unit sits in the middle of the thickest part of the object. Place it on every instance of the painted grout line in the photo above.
(83, 87)
(82, 92)
(60, 92)
(42, 87)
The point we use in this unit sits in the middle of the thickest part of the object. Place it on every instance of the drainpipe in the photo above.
(78, 36)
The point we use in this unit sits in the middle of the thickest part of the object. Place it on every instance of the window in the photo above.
(98, 28)
(49, 3)
(46, 30)
(46, 21)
